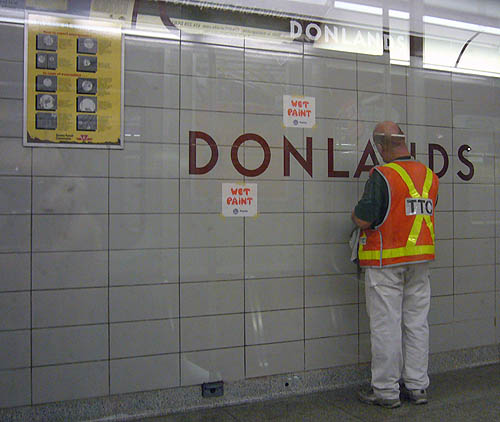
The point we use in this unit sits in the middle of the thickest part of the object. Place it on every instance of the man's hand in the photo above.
(362, 224)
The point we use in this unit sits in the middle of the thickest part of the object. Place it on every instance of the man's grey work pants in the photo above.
(397, 302)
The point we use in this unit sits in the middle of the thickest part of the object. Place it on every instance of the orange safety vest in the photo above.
(406, 234)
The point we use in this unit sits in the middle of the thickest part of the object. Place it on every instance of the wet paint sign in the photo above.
(299, 111)
(239, 199)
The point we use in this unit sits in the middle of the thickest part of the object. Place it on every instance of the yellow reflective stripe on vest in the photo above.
(397, 252)
(419, 219)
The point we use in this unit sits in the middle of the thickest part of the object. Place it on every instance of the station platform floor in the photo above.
(466, 395)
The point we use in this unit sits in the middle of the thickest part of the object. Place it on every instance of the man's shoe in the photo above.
(369, 397)
(414, 396)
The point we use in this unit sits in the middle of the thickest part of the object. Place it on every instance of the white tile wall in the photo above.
(129, 240)
(212, 365)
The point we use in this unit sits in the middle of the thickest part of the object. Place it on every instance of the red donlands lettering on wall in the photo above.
(306, 163)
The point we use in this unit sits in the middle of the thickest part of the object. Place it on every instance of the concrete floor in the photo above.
(467, 395)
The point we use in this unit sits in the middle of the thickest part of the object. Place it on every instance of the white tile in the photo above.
(274, 326)
(482, 171)
(151, 55)
(14, 311)
(331, 290)
(343, 132)
(475, 333)
(330, 197)
(134, 303)
(74, 162)
(445, 197)
(472, 88)
(314, 50)
(474, 252)
(427, 111)
(70, 195)
(143, 231)
(364, 320)
(69, 307)
(211, 61)
(274, 293)
(212, 365)
(327, 227)
(472, 197)
(147, 124)
(143, 338)
(69, 345)
(441, 281)
(16, 271)
(277, 196)
(329, 72)
(143, 267)
(441, 338)
(211, 298)
(223, 128)
(279, 358)
(11, 117)
(62, 270)
(474, 224)
(423, 136)
(201, 196)
(334, 103)
(376, 107)
(381, 78)
(472, 115)
(15, 195)
(429, 83)
(143, 196)
(14, 158)
(365, 354)
(331, 351)
(274, 67)
(70, 382)
(326, 259)
(212, 332)
(15, 231)
(211, 94)
(207, 230)
(211, 264)
(331, 321)
(474, 279)
(145, 160)
(12, 42)
(144, 374)
(15, 388)
(151, 90)
(273, 261)
(441, 310)
(444, 254)
(267, 98)
(274, 229)
(16, 349)
(70, 232)
(474, 306)
(481, 141)
(215, 164)
(443, 225)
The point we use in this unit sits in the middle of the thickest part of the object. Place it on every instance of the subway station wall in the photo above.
(119, 274)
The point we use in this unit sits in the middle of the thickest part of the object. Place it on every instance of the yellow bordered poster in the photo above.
(73, 82)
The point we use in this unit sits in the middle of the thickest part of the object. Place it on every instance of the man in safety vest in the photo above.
(396, 216)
